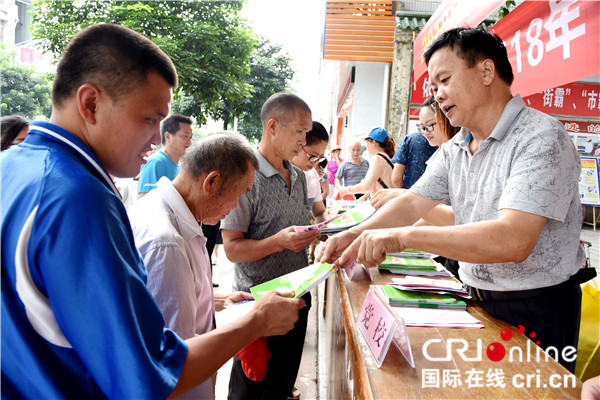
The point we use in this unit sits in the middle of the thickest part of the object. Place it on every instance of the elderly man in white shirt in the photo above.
(214, 173)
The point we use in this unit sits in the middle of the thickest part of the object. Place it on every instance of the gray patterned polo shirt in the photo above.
(267, 208)
(528, 164)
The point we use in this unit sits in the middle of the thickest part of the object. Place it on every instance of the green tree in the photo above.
(23, 92)
(208, 41)
(270, 72)
(505, 9)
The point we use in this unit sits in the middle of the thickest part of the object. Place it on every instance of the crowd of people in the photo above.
(102, 301)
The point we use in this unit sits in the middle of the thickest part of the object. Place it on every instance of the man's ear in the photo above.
(212, 182)
(488, 71)
(272, 124)
(88, 97)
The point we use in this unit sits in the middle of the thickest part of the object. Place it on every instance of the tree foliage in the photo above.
(506, 8)
(207, 40)
(270, 72)
(23, 92)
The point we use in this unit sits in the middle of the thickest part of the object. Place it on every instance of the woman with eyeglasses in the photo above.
(311, 155)
(434, 126)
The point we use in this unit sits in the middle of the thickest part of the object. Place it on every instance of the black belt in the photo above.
(583, 275)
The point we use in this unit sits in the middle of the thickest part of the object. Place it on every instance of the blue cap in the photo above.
(378, 134)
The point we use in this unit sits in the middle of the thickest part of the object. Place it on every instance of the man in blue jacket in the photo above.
(77, 318)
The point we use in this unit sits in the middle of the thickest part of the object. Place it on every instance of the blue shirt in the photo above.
(77, 318)
(414, 151)
(158, 165)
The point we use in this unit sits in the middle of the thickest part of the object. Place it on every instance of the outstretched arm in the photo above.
(271, 315)
(510, 238)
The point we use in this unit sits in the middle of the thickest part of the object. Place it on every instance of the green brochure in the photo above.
(395, 262)
(301, 281)
(404, 298)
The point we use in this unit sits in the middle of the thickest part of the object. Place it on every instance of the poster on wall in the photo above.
(589, 183)
(588, 145)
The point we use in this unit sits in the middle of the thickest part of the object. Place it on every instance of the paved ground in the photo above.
(312, 377)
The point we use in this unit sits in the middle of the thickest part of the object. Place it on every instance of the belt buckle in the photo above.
(474, 292)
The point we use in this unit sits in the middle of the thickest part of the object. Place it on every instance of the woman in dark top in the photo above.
(379, 174)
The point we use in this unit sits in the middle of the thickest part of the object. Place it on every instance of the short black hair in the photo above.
(473, 45)
(281, 105)
(317, 134)
(11, 125)
(171, 125)
(112, 57)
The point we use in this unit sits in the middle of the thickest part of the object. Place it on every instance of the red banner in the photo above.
(450, 14)
(551, 43)
(581, 99)
(581, 126)
(421, 90)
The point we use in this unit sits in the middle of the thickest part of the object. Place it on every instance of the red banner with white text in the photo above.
(551, 43)
(450, 14)
(578, 99)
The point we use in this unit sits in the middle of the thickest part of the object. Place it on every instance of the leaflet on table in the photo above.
(439, 271)
(437, 318)
(412, 253)
(300, 281)
(405, 298)
(452, 286)
(393, 262)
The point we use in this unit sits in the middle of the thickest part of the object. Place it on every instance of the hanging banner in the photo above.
(551, 43)
(450, 14)
(581, 126)
(580, 99)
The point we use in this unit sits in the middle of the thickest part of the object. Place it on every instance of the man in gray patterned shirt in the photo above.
(511, 177)
(259, 237)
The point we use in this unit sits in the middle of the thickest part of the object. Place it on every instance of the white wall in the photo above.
(371, 81)
(370, 98)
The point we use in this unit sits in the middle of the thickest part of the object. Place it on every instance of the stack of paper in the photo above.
(412, 266)
(405, 298)
(437, 318)
(300, 282)
(451, 286)
(350, 218)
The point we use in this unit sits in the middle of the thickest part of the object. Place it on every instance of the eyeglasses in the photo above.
(426, 128)
(313, 159)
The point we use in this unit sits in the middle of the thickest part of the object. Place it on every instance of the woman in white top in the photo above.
(379, 175)
(317, 140)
